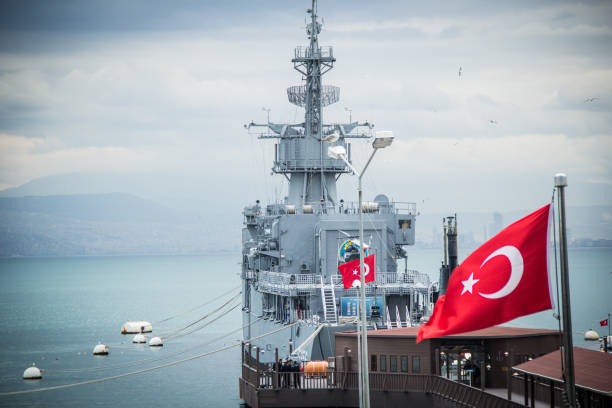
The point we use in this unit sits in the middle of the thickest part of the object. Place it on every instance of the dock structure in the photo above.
(472, 369)
(541, 379)
(261, 386)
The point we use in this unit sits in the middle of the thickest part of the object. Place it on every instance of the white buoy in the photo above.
(139, 338)
(591, 335)
(100, 350)
(32, 373)
(138, 326)
(156, 342)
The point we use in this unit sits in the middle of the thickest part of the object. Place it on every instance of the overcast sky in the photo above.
(155, 87)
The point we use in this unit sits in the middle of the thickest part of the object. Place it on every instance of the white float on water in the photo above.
(156, 342)
(100, 350)
(591, 335)
(32, 373)
(139, 338)
(133, 327)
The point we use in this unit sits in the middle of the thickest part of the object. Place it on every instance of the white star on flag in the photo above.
(469, 284)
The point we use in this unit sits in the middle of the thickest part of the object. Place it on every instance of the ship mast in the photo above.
(301, 152)
(313, 74)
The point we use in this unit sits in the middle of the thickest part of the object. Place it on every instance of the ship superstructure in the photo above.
(291, 250)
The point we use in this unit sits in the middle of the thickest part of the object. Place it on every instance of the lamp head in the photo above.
(336, 152)
(383, 139)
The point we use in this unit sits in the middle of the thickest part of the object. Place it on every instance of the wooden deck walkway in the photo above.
(265, 388)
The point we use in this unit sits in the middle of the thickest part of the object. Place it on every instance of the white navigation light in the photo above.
(336, 152)
(383, 139)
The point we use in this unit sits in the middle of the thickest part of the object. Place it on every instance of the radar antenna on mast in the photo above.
(301, 153)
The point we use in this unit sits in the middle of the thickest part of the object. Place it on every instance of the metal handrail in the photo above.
(282, 279)
(463, 394)
(321, 52)
(350, 207)
(323, 297)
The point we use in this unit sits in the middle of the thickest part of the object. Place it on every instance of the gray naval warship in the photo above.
(291, 249)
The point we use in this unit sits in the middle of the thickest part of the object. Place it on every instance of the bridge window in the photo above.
(405, 224)
(393, 363)
(416, 364)
(404, 363)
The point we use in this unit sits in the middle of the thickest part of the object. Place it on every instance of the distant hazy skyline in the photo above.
(151, 87)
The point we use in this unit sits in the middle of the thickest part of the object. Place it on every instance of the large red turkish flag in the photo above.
(350, 271)
(505, 278)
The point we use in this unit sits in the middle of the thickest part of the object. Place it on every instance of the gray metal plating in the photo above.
(291, 249)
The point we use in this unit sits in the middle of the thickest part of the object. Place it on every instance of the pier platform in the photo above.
(260, 387)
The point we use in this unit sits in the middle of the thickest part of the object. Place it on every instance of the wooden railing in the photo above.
(459, 393)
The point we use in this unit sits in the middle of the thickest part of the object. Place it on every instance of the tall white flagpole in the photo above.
(568, 346)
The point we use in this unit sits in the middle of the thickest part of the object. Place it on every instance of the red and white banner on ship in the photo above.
(350, 271)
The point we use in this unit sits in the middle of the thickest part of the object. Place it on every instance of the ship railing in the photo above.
(410, 277)
(306, 279)
(269, 378)
(312, 164)
(297, 284)
(321, 52)
(405, 208)
(301, 314)
(348, 207)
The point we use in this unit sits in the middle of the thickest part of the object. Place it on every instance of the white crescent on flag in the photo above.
(516, 272)
(367, 271)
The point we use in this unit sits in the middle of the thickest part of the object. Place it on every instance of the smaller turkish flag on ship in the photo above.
(350, 271)
(505, 278)
(603, 322)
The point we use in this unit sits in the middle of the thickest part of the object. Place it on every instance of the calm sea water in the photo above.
(54, 311)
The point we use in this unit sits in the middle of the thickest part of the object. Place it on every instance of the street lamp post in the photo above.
(338, 152)
(350, 111)
(267, 110)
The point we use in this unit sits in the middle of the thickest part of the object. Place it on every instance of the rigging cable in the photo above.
(199, 306)
(204, 325)
(174, 333)
(150, 360)
(122, 347)
(145, 370)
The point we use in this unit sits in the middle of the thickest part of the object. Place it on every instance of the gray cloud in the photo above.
(163, 87)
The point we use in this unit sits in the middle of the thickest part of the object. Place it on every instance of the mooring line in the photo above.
(206, 316)
(122, 346)
(148, 360)
(199, 306)
(145, 370)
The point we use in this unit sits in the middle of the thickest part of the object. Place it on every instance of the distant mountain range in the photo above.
(81, 214)
(103, 224)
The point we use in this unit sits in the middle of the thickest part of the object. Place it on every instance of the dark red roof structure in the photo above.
(490, 332)
(593, 369)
